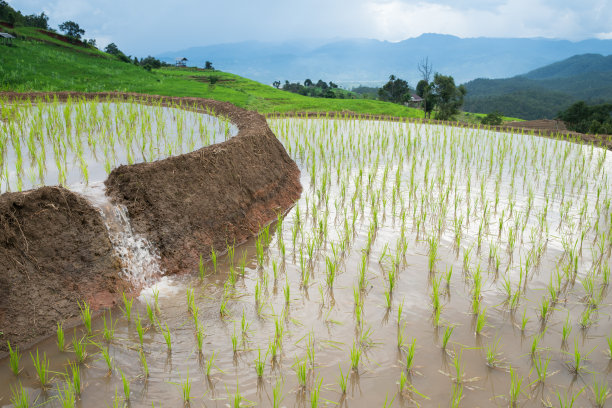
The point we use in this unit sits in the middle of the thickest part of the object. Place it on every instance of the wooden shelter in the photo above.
(181, 62)
(6, 38)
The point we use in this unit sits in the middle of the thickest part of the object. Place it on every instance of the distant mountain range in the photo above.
(543, 92)
(370, 62)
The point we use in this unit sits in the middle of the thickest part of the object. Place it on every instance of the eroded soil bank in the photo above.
(54, 248)
(54, 251)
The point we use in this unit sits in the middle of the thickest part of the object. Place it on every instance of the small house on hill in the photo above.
(181, 62)
(415, 101)
(6, 38)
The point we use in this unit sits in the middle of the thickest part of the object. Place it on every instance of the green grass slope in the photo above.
(43, 63)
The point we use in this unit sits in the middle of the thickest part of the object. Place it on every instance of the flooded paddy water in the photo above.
(423, 265)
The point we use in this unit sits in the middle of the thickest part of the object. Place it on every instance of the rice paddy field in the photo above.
(424, 265)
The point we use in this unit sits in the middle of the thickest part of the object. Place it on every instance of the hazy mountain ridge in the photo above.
(372, 61)
(543, 92)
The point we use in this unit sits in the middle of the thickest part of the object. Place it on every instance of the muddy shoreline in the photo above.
(54, 248)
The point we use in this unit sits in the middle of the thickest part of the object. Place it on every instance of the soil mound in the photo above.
(218, 195)
(54, 251)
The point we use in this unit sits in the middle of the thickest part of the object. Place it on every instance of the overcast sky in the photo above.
(142, 27)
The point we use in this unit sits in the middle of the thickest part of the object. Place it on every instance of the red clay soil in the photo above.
(62, 37)
(54, 251)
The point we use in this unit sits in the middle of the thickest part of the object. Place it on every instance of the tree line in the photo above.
(595, 119)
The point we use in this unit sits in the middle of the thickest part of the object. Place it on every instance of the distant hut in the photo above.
(181, 62)
(415, 101)
(6, 38)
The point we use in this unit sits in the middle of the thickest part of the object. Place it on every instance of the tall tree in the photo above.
(449, 97)
(71, 29)
(395, 90)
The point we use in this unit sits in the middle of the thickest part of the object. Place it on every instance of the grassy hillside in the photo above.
(43, 63)
(544, 92)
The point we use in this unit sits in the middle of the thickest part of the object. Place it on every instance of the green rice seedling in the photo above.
(492, 354)
(76, 378)
(260, 364)
(14, 358)
(20, 397)
(156, 299)
(106, 357)
(301, 372)
(609, 341)
(150, 314)
(236, 399)
(355, 357)
(127, 307)
(145, 365)
(80, 348)
(544, 309)
(314, 394)
(343, 380)
(277, 394)
(447, 276)
(410, 355)
(42, 369)
(331, 272)
(601, 392)
(234, 341)
(536, 342)
(403, 381)
(400, 309)
(524, 320)
(199, 338)
(287, 292)
(139, 329)
(458, 365)
(85, 316)
(210, 363)
(578, 358)
(167, 336)
(516, 385)
(541, 366)
(387, 299)
(566, 330)
(126, 386)
(481, 321)
(66, 396)
(456, 395)
(446, 336)
(108, 332)
(567, 401)
(586, 318)
(60, 337)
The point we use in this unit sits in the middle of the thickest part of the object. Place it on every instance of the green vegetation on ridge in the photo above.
(67, 67)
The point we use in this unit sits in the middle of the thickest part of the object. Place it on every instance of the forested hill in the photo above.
(545, 91)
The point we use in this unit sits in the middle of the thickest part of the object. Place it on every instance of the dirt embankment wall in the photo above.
(54, 248)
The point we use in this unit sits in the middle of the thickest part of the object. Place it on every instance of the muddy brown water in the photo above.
(574, 178)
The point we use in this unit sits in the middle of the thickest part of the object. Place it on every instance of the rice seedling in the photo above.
(60, 337)
(236, 399)
(66, 396)
(410, 355)
(85, 316)
(481, 321)
(139, 329)
(79, 348)
(446, 336)
(150, 314)
(260, 364)
(76, 378)
(277, 394)
(578, 359)
(601, 392)
(567, 401)
(42, 369)
(566, 330)
(127, 307)
(516, 389)
(167, 336)
(20, 397)
(108, 332)
(210, 363)
(541, 366)
(492, 354)
(301, 371)
(126, 385)
(314, 394)
(145, 365)
(343, 380)
(14, 358)
(456, 395)
(457, 363)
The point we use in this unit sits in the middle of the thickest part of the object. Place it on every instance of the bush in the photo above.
(493, 119)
